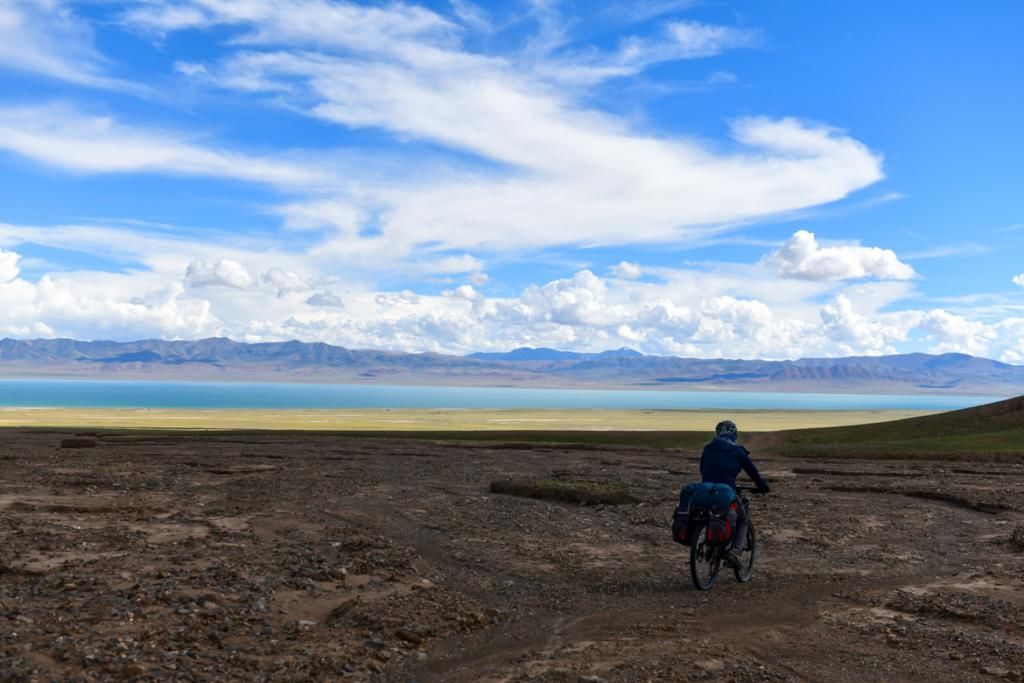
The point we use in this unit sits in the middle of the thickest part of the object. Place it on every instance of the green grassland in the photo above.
(996, 429)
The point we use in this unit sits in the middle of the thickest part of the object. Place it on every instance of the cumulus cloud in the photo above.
(853, 333)
(1018, 280)
(802, 257)
(224, 273)
(8, 265)
(627, 270)
(88, 305)
(326, 299)
(953, 333)
(284, 282)
(465, 292)
(713, 318)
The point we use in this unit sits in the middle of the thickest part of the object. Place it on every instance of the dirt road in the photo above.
(285, 557)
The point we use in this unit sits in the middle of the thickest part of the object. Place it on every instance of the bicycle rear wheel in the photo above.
(705, 559)
(746, 568)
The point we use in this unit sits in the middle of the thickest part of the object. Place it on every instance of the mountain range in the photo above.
(224, 359)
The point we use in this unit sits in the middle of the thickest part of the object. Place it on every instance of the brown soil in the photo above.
(294, 557)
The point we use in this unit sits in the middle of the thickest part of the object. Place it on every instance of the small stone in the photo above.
(133, 671)
(375, 644)
(711, 665)
(305, 623)
(590, 679)
(995, 671)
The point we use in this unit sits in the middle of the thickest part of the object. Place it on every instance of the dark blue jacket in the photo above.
(722, 461)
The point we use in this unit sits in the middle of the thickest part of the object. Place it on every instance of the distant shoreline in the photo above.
(468, 420)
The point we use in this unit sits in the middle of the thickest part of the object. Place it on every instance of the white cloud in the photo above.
(680, 40)
(66, 138)
(802, 257)
(462, 263)
(627, 270)
(46, 37)
(857, 334)
(224, 273)
(327, 299)
(316, 23)
(285, 282)
(1018, 280)
(954, 333)
(728, 311)
(190, 69)
(516, 160)
(8, 265)
(89, 305)
(561, 173)
(696, 39)
(465, 292)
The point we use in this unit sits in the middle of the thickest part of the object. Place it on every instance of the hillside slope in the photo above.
(992, 429)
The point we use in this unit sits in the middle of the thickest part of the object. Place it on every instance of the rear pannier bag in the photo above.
(721, 525)
(681, 527)
(719, 499)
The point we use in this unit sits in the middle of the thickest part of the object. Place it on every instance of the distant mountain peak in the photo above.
(529, 353)
(220, 357)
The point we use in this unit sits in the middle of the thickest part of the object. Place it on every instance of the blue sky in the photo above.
(694, 178)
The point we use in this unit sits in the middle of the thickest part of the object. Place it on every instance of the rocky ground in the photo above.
(284, 557)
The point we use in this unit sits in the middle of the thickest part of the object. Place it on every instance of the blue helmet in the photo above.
(726, 429)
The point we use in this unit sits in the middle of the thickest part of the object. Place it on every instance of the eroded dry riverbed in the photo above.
(314, 557)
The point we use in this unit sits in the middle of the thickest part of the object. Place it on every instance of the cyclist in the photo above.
(721, 461)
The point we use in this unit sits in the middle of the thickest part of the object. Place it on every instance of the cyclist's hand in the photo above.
(762, 489)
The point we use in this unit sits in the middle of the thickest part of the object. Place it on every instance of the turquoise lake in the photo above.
(138, 394)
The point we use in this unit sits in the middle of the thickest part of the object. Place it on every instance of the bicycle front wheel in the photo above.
(746, 568)
(705, 559)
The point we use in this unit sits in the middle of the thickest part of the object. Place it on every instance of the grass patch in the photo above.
(579, 492)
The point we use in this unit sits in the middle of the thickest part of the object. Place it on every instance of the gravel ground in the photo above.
(298, 557)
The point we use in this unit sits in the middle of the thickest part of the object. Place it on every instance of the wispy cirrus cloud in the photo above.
(46, 37)
(64, 137)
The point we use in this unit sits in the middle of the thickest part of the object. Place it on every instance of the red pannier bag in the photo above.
(721, 525)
